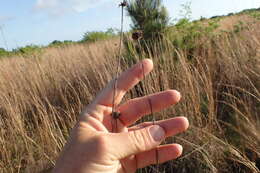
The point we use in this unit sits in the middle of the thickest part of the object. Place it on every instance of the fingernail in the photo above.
(178, 95)
(157, 133)
(180, 148)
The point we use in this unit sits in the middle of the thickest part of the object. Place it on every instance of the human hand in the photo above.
(92, 148)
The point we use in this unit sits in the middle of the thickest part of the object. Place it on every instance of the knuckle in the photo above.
(101, 143)
(140, 140)
(99, 147)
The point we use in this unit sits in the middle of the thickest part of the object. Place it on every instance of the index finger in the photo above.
(125, 81)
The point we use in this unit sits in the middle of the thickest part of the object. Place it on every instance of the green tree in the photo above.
(56, 43)
(148, 16)
(3, 52)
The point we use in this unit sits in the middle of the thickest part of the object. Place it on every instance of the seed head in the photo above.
(137, 35)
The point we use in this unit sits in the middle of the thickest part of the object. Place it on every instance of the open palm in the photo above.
(94, 148)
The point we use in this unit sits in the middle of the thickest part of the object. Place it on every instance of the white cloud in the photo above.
(52, 7)
(83, 5)
(60, 7)
(42, 4)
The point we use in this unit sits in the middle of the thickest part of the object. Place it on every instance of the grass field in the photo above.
(41, 97)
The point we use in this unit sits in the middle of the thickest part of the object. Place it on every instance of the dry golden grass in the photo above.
(227, 23)
(41, 98)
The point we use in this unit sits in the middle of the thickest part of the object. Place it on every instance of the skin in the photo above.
(93, 148)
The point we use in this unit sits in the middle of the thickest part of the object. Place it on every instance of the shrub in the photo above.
(94, 36)
(27, 50)
(185, 35)
(61, 43)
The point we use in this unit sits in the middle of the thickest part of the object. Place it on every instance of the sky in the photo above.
(25, 22)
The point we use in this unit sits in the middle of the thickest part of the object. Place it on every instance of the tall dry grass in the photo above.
(41, 98)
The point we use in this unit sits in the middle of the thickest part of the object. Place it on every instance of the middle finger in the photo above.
(134, 109)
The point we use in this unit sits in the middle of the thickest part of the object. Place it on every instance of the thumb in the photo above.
(133, 142)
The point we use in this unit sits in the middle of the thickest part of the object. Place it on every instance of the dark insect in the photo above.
(123, 4)
(116, 115)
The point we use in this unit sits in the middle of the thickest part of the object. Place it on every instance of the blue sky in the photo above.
(25, 22)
